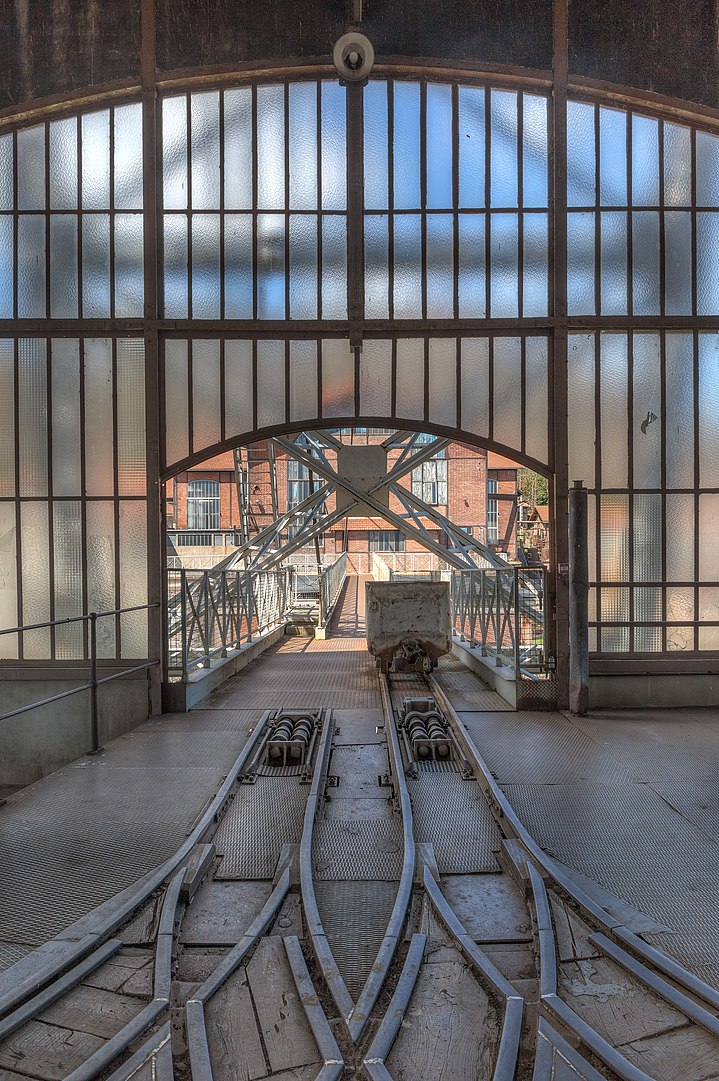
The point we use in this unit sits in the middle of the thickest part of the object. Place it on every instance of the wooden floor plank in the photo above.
(235, 1048)
(689, 1053)
(450, 1031)
(91, 1010)
(46, 1051)
(283, 1024)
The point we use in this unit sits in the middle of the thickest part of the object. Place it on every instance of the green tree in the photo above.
(534, 487)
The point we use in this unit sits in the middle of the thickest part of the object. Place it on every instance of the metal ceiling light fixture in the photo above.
(353, 56)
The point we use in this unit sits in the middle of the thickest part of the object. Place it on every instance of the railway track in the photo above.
(359, 900)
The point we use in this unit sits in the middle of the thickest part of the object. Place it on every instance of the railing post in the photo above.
(517, 623)
(94, 720)
(183, 621)
(250, 604)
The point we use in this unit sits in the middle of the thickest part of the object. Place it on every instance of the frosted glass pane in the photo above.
(67, 554)
(270, 384)
(616, 639)
(440, 266)
(647, 538)
(592, 547)
(535, 273)
(614, 263)
(303, 146)
(95, 128)
(472, 284)
(63, 164)
(206, 266)
(338, 379)
(177, 440)
(375, 146)
(677, 165)
(613, 370)
(580, 408)
(205, 150)
(580, 264)
(647, 406)
(612, 157)
(376, 275)
(270, 266)
(534, 135)
(205, 394)
(334, 152)
(7, 267)
(408, 267)
(680, 604)
(131, 469)
(65, 426)
(31, 300)
(645, 161)
(503, 149)
(443, 381)
(96, 266)
(133, 577)
(708, 532)
(63, 266)
(614, 536)
(678, 263)
(7, 418)
(707, 169)
(406, 146)
(647, 607)
(176, 262)
(504, 293)
(238, 388)
(410, 379)
(709, 638)
(8, 581)
(645, 262)
(536, 398)
(581, 165)
(99, 460)
(35, 571)
(174, 153)
(7, 189)
(679, 527)
(303, 380)
(238, 149)
(709, 606)
(475, 386)
(507, 426)
(303, 266)
(707, 262)
(129, 266)
(238, 266)
(680, 410)
(128, 157)
(334, 267)
(376, 379)
(31, 168)
(439, 147)
(471, 147)
(32, 420)
(709, 410)
(270, 147)
(101, 572)
(680, 638)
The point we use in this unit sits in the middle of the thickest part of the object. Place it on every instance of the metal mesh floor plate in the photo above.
(466, 690)
(657, 745)
(263, 816)
(358, 849)
(452, 814)
(633, 843)
(355, 917)
(540, 748)
(359, 768)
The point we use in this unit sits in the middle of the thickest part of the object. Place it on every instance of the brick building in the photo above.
(475, 489)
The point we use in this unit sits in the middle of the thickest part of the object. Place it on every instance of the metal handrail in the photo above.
(94, 682)
(331, 581)
(502, 611)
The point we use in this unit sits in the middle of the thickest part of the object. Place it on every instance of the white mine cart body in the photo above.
(409, 625)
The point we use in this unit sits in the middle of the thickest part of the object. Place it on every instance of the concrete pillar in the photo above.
(578, 600)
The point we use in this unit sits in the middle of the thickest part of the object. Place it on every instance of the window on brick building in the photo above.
(386, 540)
(429, 480)
(203, 504)
(492, 512)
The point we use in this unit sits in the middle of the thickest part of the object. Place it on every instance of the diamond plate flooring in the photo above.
(355, 917)
(263, 816)
(451, 813)
(75, 838)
